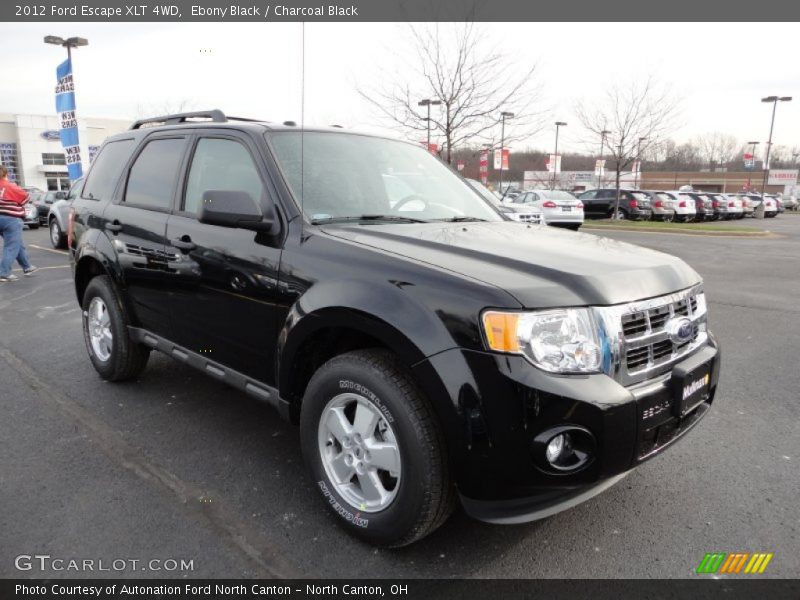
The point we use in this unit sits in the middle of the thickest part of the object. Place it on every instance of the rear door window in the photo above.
(154, 174)
(106, 169)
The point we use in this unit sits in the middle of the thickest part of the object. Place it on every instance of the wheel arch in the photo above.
(329, 332)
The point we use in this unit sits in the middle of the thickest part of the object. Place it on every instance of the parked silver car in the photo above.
(558, 207)
(662, 205)
(58, 216)
(515, 212)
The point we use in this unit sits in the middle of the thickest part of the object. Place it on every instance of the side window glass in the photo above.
(106, 169)
(153, 176)
(221, 164)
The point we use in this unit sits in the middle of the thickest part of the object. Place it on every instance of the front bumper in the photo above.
(508, 402)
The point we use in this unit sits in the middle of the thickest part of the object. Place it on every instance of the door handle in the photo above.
(116, 226)
(184, 243)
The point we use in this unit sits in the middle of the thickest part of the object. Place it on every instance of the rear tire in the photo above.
(355, 404)
(105, 330)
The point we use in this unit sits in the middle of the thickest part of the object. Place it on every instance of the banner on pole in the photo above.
(65, 107)
(484, 167)
(554, 163)
(599, 168)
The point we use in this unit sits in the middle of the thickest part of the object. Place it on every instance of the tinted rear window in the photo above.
(106, 169)
(154, 175)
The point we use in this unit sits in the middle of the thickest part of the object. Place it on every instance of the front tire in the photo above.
(105, 330)
(57, 237)
(375, 450)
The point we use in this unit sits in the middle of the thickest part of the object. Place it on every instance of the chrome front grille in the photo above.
(641, 345)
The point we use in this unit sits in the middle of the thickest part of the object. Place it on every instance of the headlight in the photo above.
(559, 341)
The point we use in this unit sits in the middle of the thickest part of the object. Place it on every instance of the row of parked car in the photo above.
(49, 209)
(562, 208)
(682, 205)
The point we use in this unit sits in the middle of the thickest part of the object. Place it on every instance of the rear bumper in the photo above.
(564, 218)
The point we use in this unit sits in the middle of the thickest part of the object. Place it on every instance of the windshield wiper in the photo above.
(461, 219)
(391, 218)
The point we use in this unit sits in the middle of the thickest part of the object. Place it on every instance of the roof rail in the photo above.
(216, 115)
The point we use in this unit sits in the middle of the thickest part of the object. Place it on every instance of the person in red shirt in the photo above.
(12, 213)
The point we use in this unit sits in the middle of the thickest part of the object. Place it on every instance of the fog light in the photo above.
(557, 447)
(563, 449)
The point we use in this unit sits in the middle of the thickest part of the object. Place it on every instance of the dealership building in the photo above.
(30, 147)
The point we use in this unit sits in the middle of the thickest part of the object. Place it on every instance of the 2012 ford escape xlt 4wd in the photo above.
(430, 350)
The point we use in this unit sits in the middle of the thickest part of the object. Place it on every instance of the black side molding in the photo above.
(235, 379)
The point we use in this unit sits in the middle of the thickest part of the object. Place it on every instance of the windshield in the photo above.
(349, 176)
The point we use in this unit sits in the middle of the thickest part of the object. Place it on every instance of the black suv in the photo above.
(599, 204)
(429, 350)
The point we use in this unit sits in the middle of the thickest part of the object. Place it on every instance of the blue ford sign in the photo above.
(51, 135)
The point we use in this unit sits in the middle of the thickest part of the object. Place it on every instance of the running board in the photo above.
(220, 372)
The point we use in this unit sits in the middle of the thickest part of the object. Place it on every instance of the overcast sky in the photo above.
(132, 69)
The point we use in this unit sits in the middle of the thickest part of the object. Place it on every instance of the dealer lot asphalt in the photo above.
(178, 466)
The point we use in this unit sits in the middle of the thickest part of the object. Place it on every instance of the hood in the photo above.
(539, 265)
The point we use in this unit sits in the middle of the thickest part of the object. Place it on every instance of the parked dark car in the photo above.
(704, 204)
(428, 355)
(599, 204)
(43, 202)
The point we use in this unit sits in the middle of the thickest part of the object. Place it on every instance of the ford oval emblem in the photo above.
(51, 135)
(680, 329)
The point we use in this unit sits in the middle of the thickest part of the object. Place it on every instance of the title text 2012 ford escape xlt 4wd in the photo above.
(429, 349)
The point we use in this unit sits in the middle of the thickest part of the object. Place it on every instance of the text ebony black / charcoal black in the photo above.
(430, 350)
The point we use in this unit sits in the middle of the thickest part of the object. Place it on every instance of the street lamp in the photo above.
(603, 135)
(503, 116)
(639, 160)
(555, 155)
(427, 102)
(774, 100)
(69, 43)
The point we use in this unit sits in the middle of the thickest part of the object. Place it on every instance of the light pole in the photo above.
(427, 102)
(639, 159)
(69, 44)
(555, 155)
(503, 116)
(774, 100)
(603, 135)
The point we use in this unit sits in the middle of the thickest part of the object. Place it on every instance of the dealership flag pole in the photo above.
(65, 106)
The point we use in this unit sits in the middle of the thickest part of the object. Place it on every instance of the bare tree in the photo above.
(717, 148)
(637, 118)
(167, 107)
(474, 84)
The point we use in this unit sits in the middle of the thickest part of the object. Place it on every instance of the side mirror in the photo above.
(230, 208)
